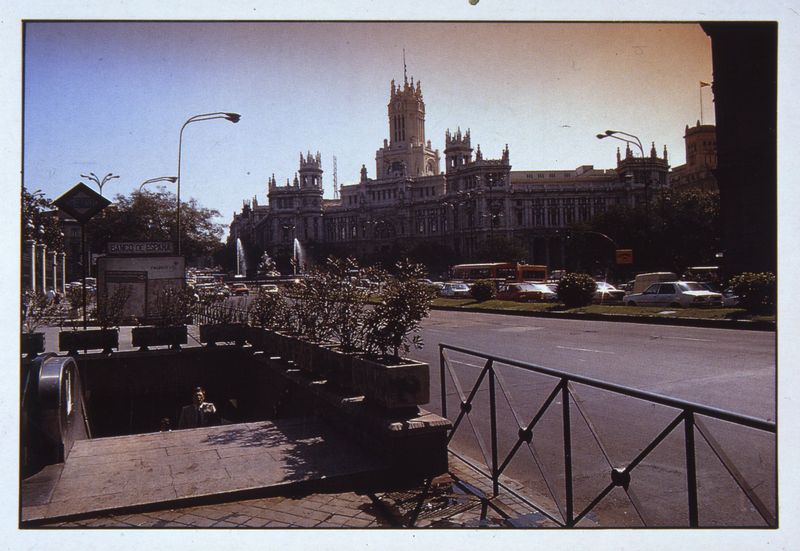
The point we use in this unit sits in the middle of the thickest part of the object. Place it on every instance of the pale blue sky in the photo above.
(111, 97)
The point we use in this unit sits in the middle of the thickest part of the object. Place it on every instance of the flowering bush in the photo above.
(576, 290)
(757, 292)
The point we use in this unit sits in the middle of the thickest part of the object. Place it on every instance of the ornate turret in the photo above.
(458, 149)
(310, 171)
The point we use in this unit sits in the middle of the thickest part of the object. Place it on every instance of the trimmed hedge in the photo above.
(576, 290)
(757, 291)
(483, 290)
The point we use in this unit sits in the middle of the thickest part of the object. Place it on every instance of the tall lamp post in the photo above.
(232, 117)
(616, 134)
(100, 182)
(172, 179)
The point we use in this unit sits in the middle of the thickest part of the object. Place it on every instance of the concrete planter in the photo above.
(337, 367)
(392, 383)
(32, 344)
(213, 333)
(255, 336)
(145, 337)
(90, 339)
(309, 356)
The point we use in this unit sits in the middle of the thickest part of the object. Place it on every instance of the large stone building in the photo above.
(412, 202)
(701, 159)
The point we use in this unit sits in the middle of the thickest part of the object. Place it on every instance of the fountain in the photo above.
(299, 257)
(241, 260)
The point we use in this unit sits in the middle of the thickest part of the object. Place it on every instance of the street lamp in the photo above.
(638, 143)
(613, 134)
(100, 182)
(232, 117)
(172, 179)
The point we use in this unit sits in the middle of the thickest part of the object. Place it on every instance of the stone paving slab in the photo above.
(127, 471)
(437, 503)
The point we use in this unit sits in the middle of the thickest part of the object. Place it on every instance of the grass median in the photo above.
(605, 309)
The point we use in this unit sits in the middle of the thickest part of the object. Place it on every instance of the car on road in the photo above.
(729, 298)
(526, 292)
(675, 294)
(605, 293)
(268, 288)
(455, 290)
(239, 289)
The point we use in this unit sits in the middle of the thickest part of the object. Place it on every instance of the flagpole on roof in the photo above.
(702, 84)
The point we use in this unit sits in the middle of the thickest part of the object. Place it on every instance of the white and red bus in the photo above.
(500, 271)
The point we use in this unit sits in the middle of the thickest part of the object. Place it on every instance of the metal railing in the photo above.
(220, 312)
(689, 415)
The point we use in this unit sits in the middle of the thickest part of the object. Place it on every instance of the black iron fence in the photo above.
(687, 425)
(220, 312)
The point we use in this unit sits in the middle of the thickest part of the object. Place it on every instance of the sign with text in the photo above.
(624, 256)
(81, 202)
(140, 247)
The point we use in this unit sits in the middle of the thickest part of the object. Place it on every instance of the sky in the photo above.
(111, 97)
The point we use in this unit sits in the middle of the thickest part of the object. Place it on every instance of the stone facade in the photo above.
(701, 159)
(411, 201)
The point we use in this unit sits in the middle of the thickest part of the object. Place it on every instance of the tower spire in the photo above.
(405, 73)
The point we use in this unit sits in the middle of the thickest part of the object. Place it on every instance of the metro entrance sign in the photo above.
(82, 203)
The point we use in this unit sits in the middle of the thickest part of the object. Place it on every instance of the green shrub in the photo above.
(757, 292)
(392, 325)
(576, 290)
(483, 290)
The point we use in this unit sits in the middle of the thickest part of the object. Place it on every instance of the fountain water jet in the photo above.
(241, 260)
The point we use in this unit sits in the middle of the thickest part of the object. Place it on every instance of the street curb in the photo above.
(622, 318)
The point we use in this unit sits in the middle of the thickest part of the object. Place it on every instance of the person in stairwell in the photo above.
(199, 413)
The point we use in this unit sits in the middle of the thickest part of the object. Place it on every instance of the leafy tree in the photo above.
(680, 229)
(500, 248)
(151, 216)
(40, 220)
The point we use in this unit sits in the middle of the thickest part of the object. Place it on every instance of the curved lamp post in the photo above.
(172, 179)
(613, 134)
(100, 182)
(232, 117)
(638, 143)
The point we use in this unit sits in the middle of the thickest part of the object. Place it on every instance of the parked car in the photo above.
(675, 294)
(643, 281)
(525, 292)
(607, 293)
(454, 290)
(729, 298)
(268, 288)
(239, 289)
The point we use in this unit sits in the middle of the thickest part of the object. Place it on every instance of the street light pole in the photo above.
(172, 179)
(232, 117)
(100, 182)
(638, 143)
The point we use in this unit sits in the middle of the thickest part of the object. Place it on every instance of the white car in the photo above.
(675, 294)
(455, 290)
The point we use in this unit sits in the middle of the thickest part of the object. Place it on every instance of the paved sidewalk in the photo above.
(458, 499)
(221, 462)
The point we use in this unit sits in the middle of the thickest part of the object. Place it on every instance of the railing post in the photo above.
(442, 381)
(493, 423)
(567, 449)
(691, 468)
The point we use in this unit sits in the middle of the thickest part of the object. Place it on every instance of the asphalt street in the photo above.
(734, 370)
